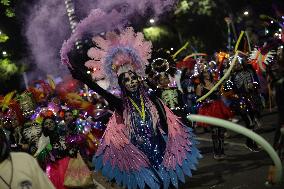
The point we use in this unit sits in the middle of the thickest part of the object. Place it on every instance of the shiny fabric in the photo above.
(56, 172)
(117, 158)
(146, 139)
(214, 108)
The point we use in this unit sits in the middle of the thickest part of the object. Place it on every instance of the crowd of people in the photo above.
(135, 129)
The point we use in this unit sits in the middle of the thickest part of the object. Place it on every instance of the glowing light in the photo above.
(172, 49)
(155, 33)
(281, 47)
(246, 13)
(152, 21)
(271, 22)
(4, 53)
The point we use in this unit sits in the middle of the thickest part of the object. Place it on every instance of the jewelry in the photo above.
(142, 111)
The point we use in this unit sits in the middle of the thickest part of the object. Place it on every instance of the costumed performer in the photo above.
(144, 143)
(213, 106)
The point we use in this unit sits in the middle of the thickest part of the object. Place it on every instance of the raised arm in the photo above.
(79, 72)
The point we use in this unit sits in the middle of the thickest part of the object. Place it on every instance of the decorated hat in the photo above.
(116, 53)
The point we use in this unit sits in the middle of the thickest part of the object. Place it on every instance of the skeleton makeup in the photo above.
(130, 81)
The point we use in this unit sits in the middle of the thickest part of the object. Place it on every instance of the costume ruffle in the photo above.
(214, 108)
(117, 158)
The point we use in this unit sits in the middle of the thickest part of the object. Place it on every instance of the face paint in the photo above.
(49, 124)
(131, 82)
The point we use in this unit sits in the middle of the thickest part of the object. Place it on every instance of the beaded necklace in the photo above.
(142, 111)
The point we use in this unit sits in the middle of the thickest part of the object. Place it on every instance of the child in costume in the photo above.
(144, 144)
(213, 106)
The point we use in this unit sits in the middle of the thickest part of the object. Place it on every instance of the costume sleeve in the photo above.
(78, 58)
(114, 102)
(40, 179)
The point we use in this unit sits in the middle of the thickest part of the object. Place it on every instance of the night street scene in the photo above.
(141, 94)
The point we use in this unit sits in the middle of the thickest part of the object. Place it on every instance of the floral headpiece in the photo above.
(10, 109)
(118, 53)
(259, 61)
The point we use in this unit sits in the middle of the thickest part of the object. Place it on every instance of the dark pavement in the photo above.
(241, 169)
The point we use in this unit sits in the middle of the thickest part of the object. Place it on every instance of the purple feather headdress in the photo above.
(118, 53)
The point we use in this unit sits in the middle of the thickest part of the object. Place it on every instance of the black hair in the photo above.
(68, 111)
(4, 145)
(45, 130)
(201, 77)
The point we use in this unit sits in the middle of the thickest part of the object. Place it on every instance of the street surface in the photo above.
(241, 169)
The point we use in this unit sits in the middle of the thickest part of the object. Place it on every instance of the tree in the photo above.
(10, 48)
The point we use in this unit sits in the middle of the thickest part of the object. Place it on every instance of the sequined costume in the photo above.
(213, 106)
(248, 104)
(145, 144)
(64, 145)
(145, 137)
(135, 148)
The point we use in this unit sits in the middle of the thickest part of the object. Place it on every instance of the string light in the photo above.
(72, 19)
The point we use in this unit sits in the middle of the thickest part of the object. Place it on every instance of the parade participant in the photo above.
(165, 82)
(11, 119)
(143, 137)
(277, 75)
(57, 159)
(213, 106)
(32, 129)
(170, 95)
(188, 85)
(19, 170)
(247, 104)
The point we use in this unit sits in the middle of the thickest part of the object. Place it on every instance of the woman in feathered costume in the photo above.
(144, 144)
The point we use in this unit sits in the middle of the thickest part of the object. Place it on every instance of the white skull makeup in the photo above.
(130, 81)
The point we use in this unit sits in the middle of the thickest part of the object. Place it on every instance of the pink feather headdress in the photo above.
(118, 53)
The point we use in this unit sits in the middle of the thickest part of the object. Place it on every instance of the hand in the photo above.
(77, 69)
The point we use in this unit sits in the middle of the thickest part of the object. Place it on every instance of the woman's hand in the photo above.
(77, 68)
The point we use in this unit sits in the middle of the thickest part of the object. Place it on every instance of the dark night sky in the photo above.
(17, 43)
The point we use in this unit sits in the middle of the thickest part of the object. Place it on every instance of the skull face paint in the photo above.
(130, 81)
